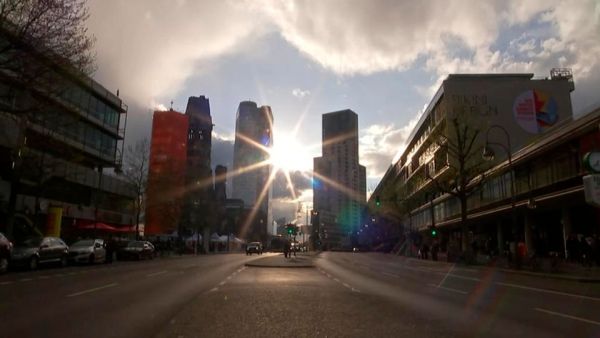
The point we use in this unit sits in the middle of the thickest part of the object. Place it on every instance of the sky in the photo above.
(382, 59)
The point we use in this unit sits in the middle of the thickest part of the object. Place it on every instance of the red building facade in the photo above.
(166, 176)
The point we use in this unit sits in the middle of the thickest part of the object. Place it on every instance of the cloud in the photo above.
(382, 145)
(149, 48)
(461, 36)
(299, 93)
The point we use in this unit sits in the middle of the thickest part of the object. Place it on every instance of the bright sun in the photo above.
(288, 154)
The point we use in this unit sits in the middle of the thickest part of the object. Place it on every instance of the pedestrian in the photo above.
(435, 248)
(572, 249)
(109, 245)
(587, 251)
(521, 253)
(425, 251)
(286, 248)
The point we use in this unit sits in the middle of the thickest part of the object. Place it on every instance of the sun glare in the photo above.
(289, 155)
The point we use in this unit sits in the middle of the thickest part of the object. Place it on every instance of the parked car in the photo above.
(254, 247)
(88, 251)
(137, 250)
(5, 252)
(40, 250)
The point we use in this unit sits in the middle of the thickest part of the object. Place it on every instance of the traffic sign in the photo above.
(591, 188)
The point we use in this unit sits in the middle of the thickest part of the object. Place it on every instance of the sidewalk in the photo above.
(302, 260)
(564, 270)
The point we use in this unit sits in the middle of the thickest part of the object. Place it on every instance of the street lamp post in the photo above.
(488, 155)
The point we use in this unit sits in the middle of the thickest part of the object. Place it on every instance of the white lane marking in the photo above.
(390, 274)
(72, 273)
(517, 286)
(92, 290)
(222, 283)
(6, 283)
(156, 273)
(346, 285)
(328, 275)
(448, 289)
(228, 277)
(43, 277)
(25, 279)
(214, 289)
(589, 321)
(337, 280)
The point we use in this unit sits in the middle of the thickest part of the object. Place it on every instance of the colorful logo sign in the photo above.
(535, 111)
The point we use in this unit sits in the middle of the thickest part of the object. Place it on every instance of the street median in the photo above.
(279, 261)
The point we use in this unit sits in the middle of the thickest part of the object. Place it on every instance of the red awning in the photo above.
(91, 225)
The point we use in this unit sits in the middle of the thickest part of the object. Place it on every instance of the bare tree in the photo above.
(135, 170)
(41, 26)
(460, 153)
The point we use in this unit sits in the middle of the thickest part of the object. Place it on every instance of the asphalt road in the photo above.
(345, 294)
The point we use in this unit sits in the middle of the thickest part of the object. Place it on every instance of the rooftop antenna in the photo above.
(171, 105)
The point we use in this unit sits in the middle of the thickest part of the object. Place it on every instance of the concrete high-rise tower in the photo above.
(339, 184)
(253, 131)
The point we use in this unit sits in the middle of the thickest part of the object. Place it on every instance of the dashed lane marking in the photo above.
(92, 290)
(215, 289)
(449, 289)
(589, 321)
(25, 279)
(517, 286)
(337, 280)
(222, 283)
(6, 283)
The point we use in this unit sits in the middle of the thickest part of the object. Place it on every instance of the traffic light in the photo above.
(291, 229)
(433, 231)
(377, 201)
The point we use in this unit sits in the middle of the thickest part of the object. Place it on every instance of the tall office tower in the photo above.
(166, 179)
(253, 133)
(339, 184)
(198, 176)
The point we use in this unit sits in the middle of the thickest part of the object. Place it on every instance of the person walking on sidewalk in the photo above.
(521, 253)
(286, 248)
(435, 248)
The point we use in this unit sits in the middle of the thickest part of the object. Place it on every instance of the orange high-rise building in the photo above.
(166, 175)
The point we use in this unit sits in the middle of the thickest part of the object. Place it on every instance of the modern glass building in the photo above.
(253, 133)
(59, 133)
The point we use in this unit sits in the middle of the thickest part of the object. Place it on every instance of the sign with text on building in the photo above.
(591, 188)
(535, 111)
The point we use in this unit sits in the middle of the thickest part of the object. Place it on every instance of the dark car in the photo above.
(40, 250)
(136, 250)
(254, 247)
(5, 252)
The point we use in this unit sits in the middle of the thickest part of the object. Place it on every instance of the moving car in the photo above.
(40, 250)
(5, 252)
(254, 247)
(137, 250)
(88, 251)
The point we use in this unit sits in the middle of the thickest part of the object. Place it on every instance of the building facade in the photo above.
(58, 140)
(339, 183)
(531, 190)
(198, 177)
(251, 170)
(166, 189)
